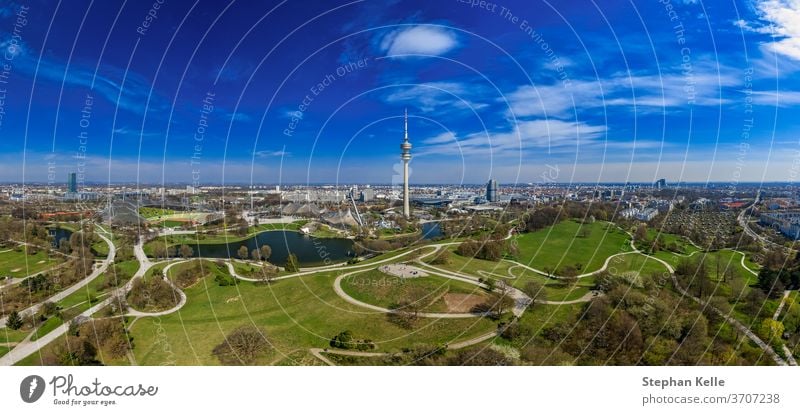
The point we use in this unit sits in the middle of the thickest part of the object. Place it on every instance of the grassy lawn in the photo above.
(96, 288)
(564, 245)
(152, 212)
(100, 248)
(684, 246)
(3, 350)
(472, 266)
(634, 266)
(384, 290)
(554, 290)
(294, 314)
(49, 325)
(725, 258)
(325, 231)
(18, 264)
(208, 267)
(13, 336)
(542, 316)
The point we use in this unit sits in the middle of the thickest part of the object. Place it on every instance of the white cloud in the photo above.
(443, 138)
(437, 96)
(776, 98)
(419, 40)
(782, 18)
(238, 116)
(275, 153)
(526, 136)
(640, 92)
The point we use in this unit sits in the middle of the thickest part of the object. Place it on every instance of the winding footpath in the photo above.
(98, 270)
(27, 348)
(732, 321)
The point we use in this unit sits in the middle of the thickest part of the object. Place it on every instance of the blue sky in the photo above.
(314, 91)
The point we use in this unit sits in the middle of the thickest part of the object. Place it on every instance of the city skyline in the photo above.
(493, 92)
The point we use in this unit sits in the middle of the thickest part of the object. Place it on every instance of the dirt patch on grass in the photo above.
(462, 303)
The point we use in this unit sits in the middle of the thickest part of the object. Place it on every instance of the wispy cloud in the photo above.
(272, 153)
(525, 136)
(419, 40)
(776, 98)
(125, 89)
(237, 116)
(637, 91)
(134, 132)
(437, 96)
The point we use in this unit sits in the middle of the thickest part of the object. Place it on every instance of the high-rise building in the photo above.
(72, 183)
(661, 183)
(491, 191)
(405, 155)
(367, 195)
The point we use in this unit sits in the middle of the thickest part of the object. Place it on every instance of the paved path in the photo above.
(24, 350)
(136, 313)
(337, 287)
(780, 306)
(112, 252)
(318, 353)
(736, 323)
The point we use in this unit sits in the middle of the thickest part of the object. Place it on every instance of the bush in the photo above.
(442, 258)
(153, 294)
(14, 321)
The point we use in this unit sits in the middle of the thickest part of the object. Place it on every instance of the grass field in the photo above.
(94, 290)
(563, 245)
(472, 266)
(684, 246)
(725, 258)
(294, 314)
(152, 212)
(17, 264)
(383, 290)
(13, 336)
(635, 266)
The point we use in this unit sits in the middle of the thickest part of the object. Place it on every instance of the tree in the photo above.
(442, 258)
(266, 252)
(186, 251)
(159, 250)
(569, 275)
(243, 252)
(641, 233)
(243, 346)
(292, 263)
(14, 321)
(771, 330)
(534, 290)
(255, 254)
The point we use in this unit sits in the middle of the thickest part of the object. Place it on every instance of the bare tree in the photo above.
(186, 251)
(243, 346)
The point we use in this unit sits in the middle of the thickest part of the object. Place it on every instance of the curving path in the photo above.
(136, 313)
(337, 287)
(98, 270)
(736, 323)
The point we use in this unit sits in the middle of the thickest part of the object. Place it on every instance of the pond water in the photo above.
(431, 230)
(309, 250)
(58, 234)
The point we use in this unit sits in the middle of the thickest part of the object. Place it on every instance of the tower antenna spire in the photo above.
(405, 125)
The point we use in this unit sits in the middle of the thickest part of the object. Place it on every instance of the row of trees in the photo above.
(487, 249)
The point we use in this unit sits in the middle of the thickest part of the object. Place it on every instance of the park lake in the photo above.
(309, 250)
